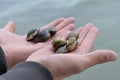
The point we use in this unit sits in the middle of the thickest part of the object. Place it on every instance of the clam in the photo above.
(72, 47)
(73, 34)
(70, 41)
(57, 43)
(71, 44)
(52, 30)
(42, 36)
(32, 34)
(62, 49)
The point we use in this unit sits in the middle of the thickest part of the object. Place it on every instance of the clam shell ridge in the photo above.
(42, 36)
(32, 34)
(52, 31)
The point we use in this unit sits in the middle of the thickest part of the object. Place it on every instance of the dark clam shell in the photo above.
(35, 35)
(32, 34)
(62, 49)
(57, 43)
(42, 36)
(52, 31)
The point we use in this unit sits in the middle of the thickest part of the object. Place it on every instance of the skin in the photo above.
(64, 65)
(16, 47)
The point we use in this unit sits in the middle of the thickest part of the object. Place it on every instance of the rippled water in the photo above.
(105, 14)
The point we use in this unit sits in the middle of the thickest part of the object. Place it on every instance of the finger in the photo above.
(88, 42)
(70, 27)
(79, 30)
(84, 32)
(66, 33)
(10, 26)
(100, 56)
(53, 24)
(64, 23)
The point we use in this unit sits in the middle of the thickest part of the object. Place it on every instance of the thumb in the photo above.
(10, 26)
(100, 56)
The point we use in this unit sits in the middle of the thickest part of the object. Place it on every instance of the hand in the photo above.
(63, 65)
(16, 47)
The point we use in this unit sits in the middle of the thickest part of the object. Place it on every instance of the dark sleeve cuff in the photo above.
(28, 71)
(3, 63)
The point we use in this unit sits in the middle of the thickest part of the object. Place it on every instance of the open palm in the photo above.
(16, 47)
(63, 65)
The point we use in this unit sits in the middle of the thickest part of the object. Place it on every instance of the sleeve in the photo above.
(27, 71)
(3, 64)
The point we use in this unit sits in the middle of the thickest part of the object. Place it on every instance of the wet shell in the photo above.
(70, 41)
(71, 44)
(42, 36)
(73, 34)
(62, 49)
(52, 31)
(32, 34)
(57, 43)
(72, 47)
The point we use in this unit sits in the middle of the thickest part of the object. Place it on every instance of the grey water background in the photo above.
(105, 14)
